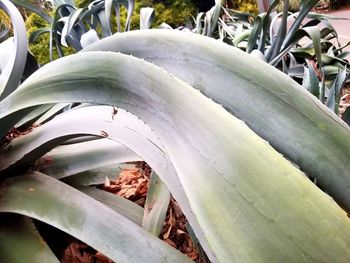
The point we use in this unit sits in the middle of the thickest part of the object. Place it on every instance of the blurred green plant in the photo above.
(173, 12)
(304, 45)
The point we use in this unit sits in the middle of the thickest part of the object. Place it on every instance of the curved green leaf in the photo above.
(33, 8)
(33, 115)
(55, 109)
(75, 158)
(18, 233)
(146, 17)
(11, 75)
(273, 105)
(37, 33)
(334, 93)
(53, 202)
(129, 209)
(156, 206)
(96, 176)
(243, 194)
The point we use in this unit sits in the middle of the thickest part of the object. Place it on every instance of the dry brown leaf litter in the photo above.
(132, 184)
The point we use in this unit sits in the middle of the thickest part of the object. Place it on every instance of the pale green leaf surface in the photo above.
(33, 8)
(274, 106)
(146, 17)
(75, 158)
(51, 113)
(119, 204)
(251, 204)
(34, 115)
(11, 75)
(96, 176)
(156, 206)
(21, 243)
(53, 202)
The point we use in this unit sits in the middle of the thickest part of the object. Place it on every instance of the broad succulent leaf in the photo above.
(18, 233)
(51, 201)
(279, 110)
(11, 74)
(156, 206)
(243, 194)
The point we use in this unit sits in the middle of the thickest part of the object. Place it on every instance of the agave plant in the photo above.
(243, 199)
(320, 64)
(78, 27)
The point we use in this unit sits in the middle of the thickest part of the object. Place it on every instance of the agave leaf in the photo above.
(18, 233)
(107, 10)
(33, 115)
(305, 7)
(53, 202)
(313, 33)
(346, 116)
(334, 93)
(35, 9)
(310, 81)
(75, 158)
(282, 30)
(11, 75)
(126, 208)
(213, 18)
(156, 206)
(196, 243)
(242, 193)
(37, 33)
(58, 3)
(4, 34)
(255, 32)
(323, 88)
(68, 25)
(273, 105)
(146, 17)
(96, 176)
(199, 26)
(320, 16)
(130, 6)
(51, 113)
(55, 27)
(266, 25)
(69, 159)
(89, 38)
